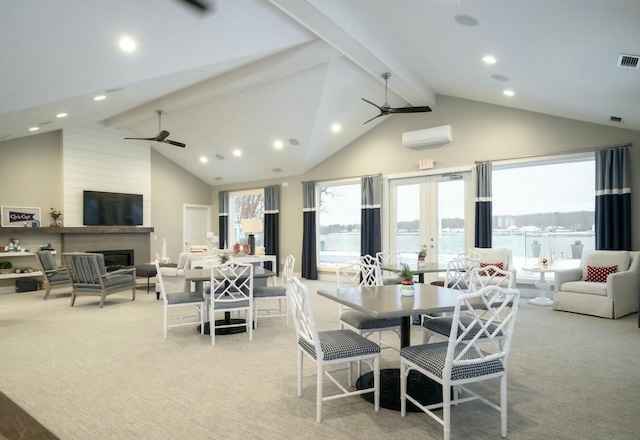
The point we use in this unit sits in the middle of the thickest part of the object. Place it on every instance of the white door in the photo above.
(429, 211)
(197, 221)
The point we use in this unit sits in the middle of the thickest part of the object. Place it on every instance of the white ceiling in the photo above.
(253, 71)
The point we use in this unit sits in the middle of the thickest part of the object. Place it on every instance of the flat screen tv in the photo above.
(111, 209)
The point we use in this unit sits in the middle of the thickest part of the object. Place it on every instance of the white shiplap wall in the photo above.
(97, 158)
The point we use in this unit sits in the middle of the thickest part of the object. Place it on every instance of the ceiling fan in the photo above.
(162, 134)
(202, 5)
(386, 109)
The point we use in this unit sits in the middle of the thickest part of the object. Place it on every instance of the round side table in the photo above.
(542, 285)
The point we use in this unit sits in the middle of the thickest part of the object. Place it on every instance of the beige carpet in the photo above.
(89, 373)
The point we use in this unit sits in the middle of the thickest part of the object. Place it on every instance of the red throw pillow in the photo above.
(597, 274)
(491, 272)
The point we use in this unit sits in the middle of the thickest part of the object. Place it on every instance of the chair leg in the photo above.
(300, 359)
(446, 410)
(376, 383)
(165, 320)
(319, 378)
(73, 297)
(212, 327)
(47, 290)
(134, 291)
(250, 322)
(201, 309)
(503, 405)
(403, 388)
(102, 297)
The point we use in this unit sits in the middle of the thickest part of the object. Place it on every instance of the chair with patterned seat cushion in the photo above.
(89, 276)
(267, 294)
(364, 274)
(476, 351)
(329, 349)
(179, 301)
(477, 278)
(231, 291)
(54, 276)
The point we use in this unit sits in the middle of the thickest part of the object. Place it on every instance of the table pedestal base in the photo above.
(541, 301)
(225, 331)
(420, 387)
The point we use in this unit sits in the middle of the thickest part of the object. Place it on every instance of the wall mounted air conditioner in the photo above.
(428, 137)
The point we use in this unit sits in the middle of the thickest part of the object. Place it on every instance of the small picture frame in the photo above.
(19, 217)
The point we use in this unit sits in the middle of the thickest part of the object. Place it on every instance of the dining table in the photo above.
(417, 267)
(200, 275)
(388, 301)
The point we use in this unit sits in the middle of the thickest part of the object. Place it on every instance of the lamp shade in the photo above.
(251, 225)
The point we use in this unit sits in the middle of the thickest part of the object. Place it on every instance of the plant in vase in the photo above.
(423, 253)
(224, 257)
(6, 266)
(407, 279)
(55, 217)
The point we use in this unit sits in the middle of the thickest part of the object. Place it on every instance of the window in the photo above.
(545, 209)
(245, 204)
(338, 223)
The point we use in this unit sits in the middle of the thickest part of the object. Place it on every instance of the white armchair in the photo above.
(501, 258)
(173, 277)
(613, 298)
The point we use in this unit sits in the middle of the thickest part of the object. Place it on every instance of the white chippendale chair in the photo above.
(231, 291)
(389, 258)
(329, 348)
(264, 294)
(180, 300)
(364, 274)
(476, 351)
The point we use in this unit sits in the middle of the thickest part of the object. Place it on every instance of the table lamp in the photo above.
(250, 226)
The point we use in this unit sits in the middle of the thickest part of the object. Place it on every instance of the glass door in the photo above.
(429, 211)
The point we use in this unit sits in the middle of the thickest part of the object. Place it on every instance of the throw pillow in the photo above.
(48, 260)
(597, 274)
(491, 272)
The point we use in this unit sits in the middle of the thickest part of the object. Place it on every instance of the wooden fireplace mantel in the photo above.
(78, 230)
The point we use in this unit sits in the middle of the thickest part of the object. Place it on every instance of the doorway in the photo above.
(197, 221)
(430, 211)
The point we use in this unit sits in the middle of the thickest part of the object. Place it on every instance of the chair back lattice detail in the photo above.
(459, 272)
(370, 271)
(490, 275)
(287, 270)
(302, 313)
(231, 290)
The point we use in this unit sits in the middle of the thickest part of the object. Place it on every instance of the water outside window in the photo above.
(544, 210)
(339, 219)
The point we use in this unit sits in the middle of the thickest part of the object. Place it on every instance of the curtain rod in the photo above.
(342, 178)
(582, 150)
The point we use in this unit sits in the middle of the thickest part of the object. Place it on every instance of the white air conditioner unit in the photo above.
(428, 137)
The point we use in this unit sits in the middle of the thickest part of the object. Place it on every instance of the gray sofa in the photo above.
(615, 298)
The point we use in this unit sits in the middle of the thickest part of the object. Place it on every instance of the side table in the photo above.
(542, 285)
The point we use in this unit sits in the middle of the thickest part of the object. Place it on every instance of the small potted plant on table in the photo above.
(422, 254)
(406, 274)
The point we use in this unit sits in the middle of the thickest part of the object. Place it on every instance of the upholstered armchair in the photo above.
(89, 276)
(54, 276)
(606, 284)
(500, 257)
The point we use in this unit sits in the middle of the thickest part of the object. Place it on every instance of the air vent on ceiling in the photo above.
(616, 119)
(277, 170)
(628, 61)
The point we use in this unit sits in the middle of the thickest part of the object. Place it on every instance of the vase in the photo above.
(407, 289)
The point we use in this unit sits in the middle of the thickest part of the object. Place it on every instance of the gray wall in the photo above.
(480, 132)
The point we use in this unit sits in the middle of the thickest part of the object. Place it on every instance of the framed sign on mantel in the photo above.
(19, 217)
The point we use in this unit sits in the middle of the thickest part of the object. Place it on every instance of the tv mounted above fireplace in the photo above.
(111, 209)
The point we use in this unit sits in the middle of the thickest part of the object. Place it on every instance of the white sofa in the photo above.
(615, 298)
(173, 277)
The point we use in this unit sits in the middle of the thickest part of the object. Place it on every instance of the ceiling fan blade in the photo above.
(410, 109)
(375, 105)
(373, 118)
(143, 139)
(202, 6)
(177, 144)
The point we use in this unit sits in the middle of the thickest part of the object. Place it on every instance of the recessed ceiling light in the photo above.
(278, 144)
(99, 97)
(489, 59)
(203, 159)
(127, 44)
(336, 128)
(61, 115)
(34, 128)
(237, 152)
(508, 93)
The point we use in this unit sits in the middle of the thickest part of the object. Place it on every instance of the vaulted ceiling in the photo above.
(250, 72)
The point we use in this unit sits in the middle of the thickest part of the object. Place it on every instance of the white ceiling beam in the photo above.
(334, 24)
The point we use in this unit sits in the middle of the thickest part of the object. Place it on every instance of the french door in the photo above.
(430, 211)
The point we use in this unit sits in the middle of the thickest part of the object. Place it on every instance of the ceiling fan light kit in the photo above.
(386, 109)
(428, 137)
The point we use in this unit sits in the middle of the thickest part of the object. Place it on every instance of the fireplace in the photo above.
(117, 259)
